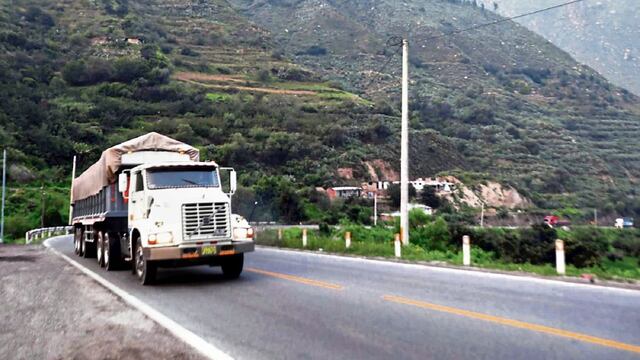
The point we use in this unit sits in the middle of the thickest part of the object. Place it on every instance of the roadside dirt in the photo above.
(50, 310)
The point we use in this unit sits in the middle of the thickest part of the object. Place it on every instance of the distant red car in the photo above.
(553, 220)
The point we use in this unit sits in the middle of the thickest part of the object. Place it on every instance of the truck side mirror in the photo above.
(123, 182)
(233, 182)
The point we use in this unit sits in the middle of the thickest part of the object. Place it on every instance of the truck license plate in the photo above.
(208, 250)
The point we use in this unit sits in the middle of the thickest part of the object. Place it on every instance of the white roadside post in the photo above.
(466, 250)
(347, 239)
(560, 264)
(279, 234)
(304, 237)
(397, 246)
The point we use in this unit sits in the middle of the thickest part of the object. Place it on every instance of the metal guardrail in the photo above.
(47, 232)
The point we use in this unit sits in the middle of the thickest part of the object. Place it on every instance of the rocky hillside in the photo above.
(603, 34)
(291, 91)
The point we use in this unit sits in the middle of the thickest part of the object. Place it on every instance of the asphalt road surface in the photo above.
(292, 305)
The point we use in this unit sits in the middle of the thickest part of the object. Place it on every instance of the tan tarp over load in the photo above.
(103, 172)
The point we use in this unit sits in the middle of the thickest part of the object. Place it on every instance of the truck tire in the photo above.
(145, 270)
(100, 248)
(77, 240)
(232, 266)
(111, 251)
(88, 249)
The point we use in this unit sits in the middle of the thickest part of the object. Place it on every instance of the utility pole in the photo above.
(43, 205)
(4, 185)
(375, 207)
(595, 217)
(404, 148)
(73, 176)
(482, 216)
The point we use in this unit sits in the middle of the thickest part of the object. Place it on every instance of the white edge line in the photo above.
(456, 271)
(202, 346)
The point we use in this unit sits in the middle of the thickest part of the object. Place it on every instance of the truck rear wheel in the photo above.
(100, 248)
(232, 266)
(77, 240)
(145, 269)
(111, 251)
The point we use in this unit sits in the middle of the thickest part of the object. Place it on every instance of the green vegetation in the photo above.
(605, 253)
(500, 105)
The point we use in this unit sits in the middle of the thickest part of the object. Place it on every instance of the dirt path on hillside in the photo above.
(196, 78)
(50, 310)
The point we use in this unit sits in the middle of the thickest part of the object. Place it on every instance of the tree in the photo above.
(394, 194)
(495, 6)
(429, 197)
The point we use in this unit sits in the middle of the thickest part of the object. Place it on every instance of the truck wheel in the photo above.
(232, 266)
(77, 240)
(100, 248)
(111, 251)
(145, 269)
(88, 249)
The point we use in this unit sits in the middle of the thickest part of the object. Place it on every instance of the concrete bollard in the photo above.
(397, 246)
(466, 250)
(279, 234)
(304, 237)
(560, 264)
(347, 239)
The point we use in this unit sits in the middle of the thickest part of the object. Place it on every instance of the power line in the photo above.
(396, 41)
(504, 20)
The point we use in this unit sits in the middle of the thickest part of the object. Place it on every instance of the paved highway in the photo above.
(291, 305)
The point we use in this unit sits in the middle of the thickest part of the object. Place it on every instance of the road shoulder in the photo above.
(50, 310)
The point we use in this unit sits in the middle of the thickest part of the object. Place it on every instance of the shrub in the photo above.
(585, 246)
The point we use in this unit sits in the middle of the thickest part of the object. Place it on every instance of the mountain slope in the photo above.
(516, 106)
(290, 91)
(602, 34)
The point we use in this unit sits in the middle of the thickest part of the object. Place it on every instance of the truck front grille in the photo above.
(205, 221)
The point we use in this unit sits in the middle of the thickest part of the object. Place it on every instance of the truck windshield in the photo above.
(178, 178)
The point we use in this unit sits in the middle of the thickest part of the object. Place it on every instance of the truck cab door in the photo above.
(137, 211)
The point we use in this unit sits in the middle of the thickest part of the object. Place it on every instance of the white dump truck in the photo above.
(150, 202)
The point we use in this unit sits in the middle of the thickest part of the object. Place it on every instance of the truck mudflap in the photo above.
(198, 251)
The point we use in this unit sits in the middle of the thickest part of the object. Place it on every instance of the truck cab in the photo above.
(150, 202)
(178, 215)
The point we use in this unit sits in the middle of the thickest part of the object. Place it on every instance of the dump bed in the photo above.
(104, 172)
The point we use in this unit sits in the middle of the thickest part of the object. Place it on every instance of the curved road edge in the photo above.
(199, 344)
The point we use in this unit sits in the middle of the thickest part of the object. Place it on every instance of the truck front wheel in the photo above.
(145, 269)
(232, 266)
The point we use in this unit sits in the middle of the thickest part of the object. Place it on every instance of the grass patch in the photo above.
(218, 97)
(377, 242)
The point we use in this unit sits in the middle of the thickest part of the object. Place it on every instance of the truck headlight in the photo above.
(242, 233)
(161, 238)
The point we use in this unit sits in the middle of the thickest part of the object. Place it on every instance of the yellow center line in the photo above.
(515, 323)
(298, 279)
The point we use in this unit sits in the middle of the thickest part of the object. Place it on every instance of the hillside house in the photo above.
(390, 216)
(133, 40)
(343, 192)
(371, 188)
(439, 185)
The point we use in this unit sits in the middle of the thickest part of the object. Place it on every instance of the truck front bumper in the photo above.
(186, 252)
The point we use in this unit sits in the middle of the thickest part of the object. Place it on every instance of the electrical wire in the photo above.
(455, 32)
(396, 41)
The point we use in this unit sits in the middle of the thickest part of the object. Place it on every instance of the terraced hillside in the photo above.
(514, 105)
(291, 91)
